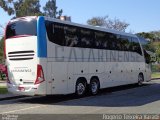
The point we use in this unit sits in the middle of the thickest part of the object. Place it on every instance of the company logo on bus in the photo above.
(21, 70)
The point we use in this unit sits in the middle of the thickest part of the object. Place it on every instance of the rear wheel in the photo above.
(94, 86)
(140, 79)
(81, 88)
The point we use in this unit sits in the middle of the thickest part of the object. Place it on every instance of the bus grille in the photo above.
(21, 55)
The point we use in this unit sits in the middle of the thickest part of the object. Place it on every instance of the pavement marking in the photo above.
(23, 109)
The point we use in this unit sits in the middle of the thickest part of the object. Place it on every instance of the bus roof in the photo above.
(78, 25)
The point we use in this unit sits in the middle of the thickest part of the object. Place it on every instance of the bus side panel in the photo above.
(59, 74)
(71, 77)
(147, 72)
(49, 79)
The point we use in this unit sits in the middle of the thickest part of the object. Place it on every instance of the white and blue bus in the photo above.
(47, 56)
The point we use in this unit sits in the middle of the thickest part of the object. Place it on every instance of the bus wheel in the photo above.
(81, 86)
(94, 86)
(140, 79)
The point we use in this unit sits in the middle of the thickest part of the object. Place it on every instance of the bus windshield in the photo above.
(21, 27)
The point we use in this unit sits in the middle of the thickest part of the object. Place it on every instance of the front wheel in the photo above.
(94, 86)
(140, 79)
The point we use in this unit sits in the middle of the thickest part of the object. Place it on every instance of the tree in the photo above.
(97, 21)
(145, 35)
(1, 49)
(21, 8)
(154, 44)
(6, 6)
(108, 23)
(156, 36)
(150, 47)
(153, 36)
(50, 9)
(1, 30)
(27, 8)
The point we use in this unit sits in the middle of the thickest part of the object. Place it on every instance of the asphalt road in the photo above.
(118, 100)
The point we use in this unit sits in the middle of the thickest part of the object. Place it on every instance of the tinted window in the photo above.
(108, 41)
(55, 32)
(136, 46)
(61, 34)
(147, 57)
(50, 31)
(74, 36)
(87, 38)
(58, 34)
(119, 42)
(71, 36)
(113, 41)
(125, 43)
(100, 40)
(21, 27)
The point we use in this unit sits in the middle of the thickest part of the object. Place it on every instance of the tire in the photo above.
(81, 87)
(94, 86)
(140, 79)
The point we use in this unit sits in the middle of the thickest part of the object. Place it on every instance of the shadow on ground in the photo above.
(123, 96)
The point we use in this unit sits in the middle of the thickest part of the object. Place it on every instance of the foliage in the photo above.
(155, 75)
(3, 90)
(108, 23)
(27, 8)
(152, 36)
(20, 8)
(97, 21)
(1, 50)
(155, 68)
(50, 9)
(1, 30)
(154, 44)
(149, 36)
(150, 47)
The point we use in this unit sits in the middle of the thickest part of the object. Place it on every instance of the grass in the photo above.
(3, 90)
(155, 75)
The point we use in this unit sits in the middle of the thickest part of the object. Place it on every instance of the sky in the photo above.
(142, 15)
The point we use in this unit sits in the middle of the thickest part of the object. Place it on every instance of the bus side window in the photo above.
(136, 46)
(59, 37)
(130, 44)
(147, 57)
(49, 30)
(71, 38)
(55, 32)
(119, 42)
(100, 40)
(108, 43)
(113, 42)
(86, 38)
(125, 43)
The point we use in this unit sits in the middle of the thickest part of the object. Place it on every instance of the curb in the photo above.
(155, 79)
(2, 81)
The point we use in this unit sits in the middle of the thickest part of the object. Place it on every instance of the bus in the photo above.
(46, 56)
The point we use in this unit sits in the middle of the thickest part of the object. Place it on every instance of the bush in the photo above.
(2, 76)
(155, 68)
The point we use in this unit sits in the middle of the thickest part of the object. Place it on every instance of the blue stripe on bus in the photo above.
(41, 35)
